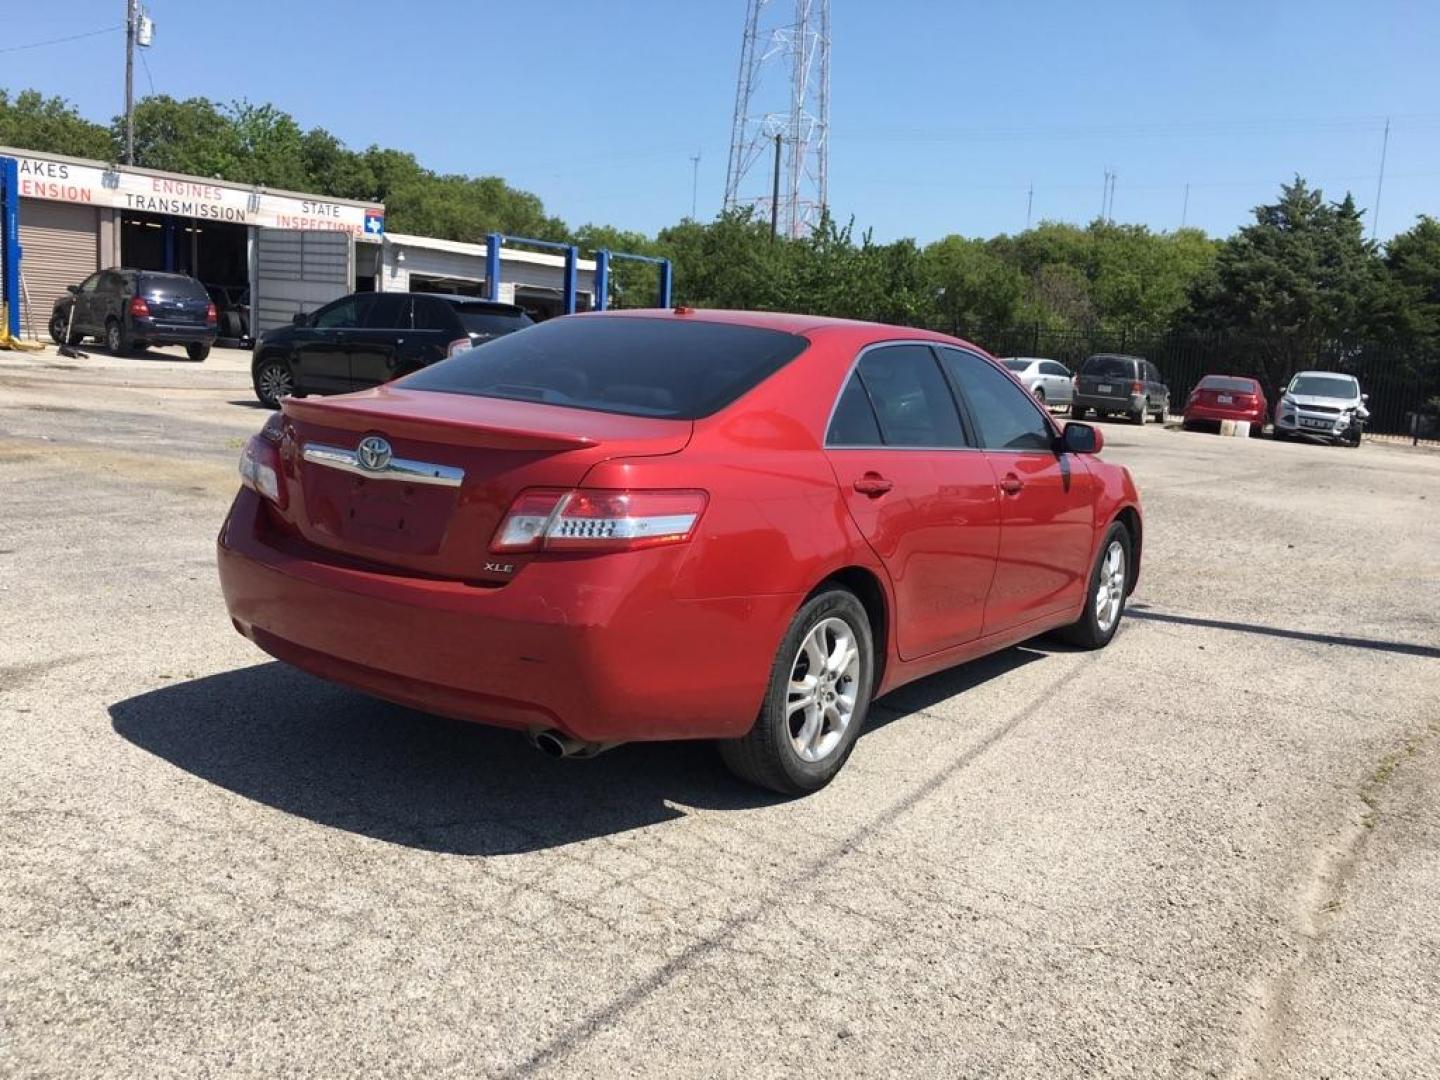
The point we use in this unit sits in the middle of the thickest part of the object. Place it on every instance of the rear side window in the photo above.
(854, 421)
(488, 322)
(1050, 367)
(432, 314)
(913, 405)
(1016, 365)
(1006, 415)
(389, 311)
(681, 369)
(1116, 367)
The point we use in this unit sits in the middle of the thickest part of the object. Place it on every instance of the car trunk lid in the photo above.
(456, 464)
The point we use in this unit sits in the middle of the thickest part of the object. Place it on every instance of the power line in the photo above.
(61, 40)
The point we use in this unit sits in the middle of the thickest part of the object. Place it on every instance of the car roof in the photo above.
(802, 325)
(498, 306)
(1113, 356)
(1032, 359)
(1332, 374)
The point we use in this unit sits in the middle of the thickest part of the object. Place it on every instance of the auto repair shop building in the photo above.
(264, 255)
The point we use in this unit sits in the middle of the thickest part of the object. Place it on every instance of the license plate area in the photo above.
(1306, 421)
(1224, 399)
(382, 515)
(1104, 388)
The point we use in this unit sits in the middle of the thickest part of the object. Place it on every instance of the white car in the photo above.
(1323, 405)
(1049, 380)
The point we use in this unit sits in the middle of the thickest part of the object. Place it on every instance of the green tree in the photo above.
(1301, 277)
(194, 136)
(973, 286)
(30, 121)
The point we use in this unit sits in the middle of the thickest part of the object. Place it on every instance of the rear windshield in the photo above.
(1225, 382)
(172, 285)
(634, 366)
(1118, 366)
(1334, 386)
(487, 322)
(1016, 365)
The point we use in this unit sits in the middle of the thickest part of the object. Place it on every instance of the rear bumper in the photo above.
(1210, 414)
(161, 333)
(596, 647)
(1132, 403)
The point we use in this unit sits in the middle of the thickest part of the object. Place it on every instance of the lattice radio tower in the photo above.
(784, 91)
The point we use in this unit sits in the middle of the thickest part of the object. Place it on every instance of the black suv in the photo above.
(130, 309)
(365, 339)
(1109, 383)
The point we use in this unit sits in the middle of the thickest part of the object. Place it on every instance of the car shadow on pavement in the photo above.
(282, 738)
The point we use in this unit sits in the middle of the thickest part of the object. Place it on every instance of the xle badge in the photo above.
(500, 568)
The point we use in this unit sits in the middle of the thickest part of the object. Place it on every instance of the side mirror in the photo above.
(73, 289)
(1364, 397)
(300, 319)
(1082, 439)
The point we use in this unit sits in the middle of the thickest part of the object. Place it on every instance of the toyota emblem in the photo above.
(373, 453)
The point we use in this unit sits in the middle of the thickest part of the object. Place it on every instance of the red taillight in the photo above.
(211, 316)
(1137, 388)
(260, 468)
(458, 344)
(595, 519)
(139, 308)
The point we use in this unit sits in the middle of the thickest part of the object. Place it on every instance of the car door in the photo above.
(84, 303)
(375, 347)
(1057, 383)
(321, 351)
(436, 328)
(921, 494)
(1047, 498)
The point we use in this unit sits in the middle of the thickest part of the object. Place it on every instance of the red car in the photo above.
(1226, 397)
(677, 525)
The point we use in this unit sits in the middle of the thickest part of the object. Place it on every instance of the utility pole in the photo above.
(131, 9)
(1104, 194)
(1029, 204)
(1380, 186)
(694, 182)
(775, 192)
(1185, 207)
(1110, 207)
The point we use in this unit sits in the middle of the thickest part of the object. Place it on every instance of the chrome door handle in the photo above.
(1011, 484)
(873, 484)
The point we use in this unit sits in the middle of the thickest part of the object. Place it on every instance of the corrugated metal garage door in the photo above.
(61, 243)
(297, 271)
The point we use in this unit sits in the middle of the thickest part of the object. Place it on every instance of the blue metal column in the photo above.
(572, 256)
(492, 265)
(10, 256)
(665, 283)
(169, 232)
(602, 280)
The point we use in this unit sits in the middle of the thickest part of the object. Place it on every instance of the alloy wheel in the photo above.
(275, 383)
(824, 680)
(1110, 590)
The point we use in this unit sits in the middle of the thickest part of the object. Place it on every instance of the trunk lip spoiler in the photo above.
(398, 419)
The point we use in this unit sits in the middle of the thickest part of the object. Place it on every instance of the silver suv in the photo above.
(1323, 405)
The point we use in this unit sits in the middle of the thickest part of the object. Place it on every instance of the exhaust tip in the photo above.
(550, 744)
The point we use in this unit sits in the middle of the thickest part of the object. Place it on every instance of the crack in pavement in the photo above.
(583, 1030)
(1270, 1013)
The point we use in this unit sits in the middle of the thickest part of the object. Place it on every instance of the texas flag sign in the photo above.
(374, 222)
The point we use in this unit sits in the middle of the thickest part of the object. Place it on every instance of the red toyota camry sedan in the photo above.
(677, 525)
(1226, 397)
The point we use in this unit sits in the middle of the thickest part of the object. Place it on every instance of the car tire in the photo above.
(1106, 594)
(116, 339)
(231, 325)
(273, 380)
(1077, 412)
(1040, 397)
(197, 352)
(58, 328)
(1257, 431)
(776, 752)
(1141, 416)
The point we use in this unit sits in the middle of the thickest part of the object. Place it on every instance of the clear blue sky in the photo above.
(943, 113)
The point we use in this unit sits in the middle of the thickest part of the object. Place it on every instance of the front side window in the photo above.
(342, 314)
(912, 404)
(1006, 415)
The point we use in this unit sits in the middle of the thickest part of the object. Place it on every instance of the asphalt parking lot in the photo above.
(1210, 850)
